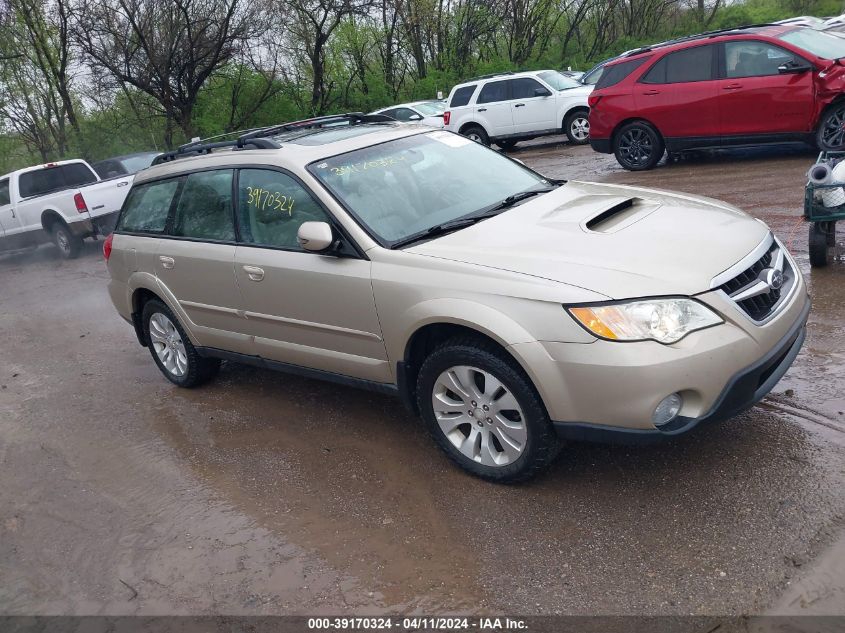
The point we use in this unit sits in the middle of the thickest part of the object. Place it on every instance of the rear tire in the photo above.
(490, 419)
(476, 133)
(638, 146)
(172, 350)
(576, 126)
(68, 244)
(507, 146)
(822, 239)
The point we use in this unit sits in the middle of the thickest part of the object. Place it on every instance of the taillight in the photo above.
(446, 116)
(593, 100)
(107, 246)
(79, 201)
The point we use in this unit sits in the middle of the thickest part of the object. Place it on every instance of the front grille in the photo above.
(750, 289)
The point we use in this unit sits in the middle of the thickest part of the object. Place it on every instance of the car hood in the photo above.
(619, 241)
(578, 91)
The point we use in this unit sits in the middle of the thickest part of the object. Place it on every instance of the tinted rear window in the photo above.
(4, 192)
(42, 181)
(615, 73)
(462, 96)
(690, 64)
(494, 91)
(147, 206)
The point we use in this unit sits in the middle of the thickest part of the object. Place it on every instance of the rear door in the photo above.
(756, 97)
(679, 93)
(305, 309)
(195, 260)
(532, 112)
(493, 108)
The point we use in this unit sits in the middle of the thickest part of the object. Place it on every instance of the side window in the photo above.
(77, 175)
(614, 73)
(271, 206)
(687, 65)
(403, 114)
(390, 113)
(524, 87)
(147, 206)
(4, 193)
(462, 96)
(750, 58)
(494, 91)
(40, 181)
(205, 207)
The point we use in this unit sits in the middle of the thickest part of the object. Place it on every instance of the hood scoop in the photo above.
(622, 213)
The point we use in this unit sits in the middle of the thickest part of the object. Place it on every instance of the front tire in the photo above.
(476, 133)
(830, 135)
(69, 245)
(638, 146)
(172, 350)
(506, 146)
(483, 411)
(576, 126)
(822, 239)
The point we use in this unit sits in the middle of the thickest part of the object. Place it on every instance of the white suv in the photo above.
(511, 107)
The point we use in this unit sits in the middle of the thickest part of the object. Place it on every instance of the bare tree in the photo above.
(167, 49)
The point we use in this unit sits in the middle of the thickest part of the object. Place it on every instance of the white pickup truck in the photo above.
(65, 202)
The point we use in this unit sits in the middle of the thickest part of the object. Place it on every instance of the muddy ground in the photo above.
(264, 493)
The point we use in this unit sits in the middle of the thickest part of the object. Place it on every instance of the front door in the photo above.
(5, 209)
(305, 309)
(196, 259)
(533, 106)
(493, 108)
(678, 94)
(756, 97)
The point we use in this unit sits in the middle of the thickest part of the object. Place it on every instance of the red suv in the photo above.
(746, 86)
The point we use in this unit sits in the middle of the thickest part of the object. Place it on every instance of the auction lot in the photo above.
(264, 493)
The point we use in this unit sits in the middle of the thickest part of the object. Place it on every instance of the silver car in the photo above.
(510, 311)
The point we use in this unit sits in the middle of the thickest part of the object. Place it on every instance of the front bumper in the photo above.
(607, 391)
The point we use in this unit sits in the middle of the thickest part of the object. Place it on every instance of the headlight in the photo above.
(661, 320)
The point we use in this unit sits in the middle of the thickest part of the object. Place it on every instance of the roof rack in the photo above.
(490, 76)
(697, 36)
(259, 138)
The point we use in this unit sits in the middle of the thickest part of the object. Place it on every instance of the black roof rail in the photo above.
(258, 138)
(697, 36)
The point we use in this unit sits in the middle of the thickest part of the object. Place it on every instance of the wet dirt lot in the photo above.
(264, 493)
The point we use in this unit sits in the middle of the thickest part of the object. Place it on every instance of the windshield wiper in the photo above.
(460, 223)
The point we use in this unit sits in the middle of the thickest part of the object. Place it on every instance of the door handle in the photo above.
(651, 92)
(254, 273)
(167, 262)
(731, 86)
(123, 183)
(519, 105)
(482, 109)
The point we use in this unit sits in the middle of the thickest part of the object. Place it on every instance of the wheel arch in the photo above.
(49, 218)
(465, 126)
(636, 119)
(140, 296)
(572, 110)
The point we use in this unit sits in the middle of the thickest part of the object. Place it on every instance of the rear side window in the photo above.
(462, 96)
(147, 206)
(4, 193)
(615, 73)
(271, 206)
(688, 65)
(204, 210)
(494, 91)
(42, 181)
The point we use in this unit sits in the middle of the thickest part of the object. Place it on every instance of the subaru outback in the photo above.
(509, 310)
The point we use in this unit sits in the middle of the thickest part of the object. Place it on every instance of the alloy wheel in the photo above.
(636, 147)
(580, 128)
(168, 345)
(833, 130)
(479, 416)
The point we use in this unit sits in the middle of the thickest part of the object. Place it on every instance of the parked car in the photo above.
(64, 201)
(592, 76)
(747, 86)
(425, 112)
(124, 165)
(511, 107)
(507, 309)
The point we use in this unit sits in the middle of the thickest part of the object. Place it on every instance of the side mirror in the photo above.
(793, 67)
(415, 117)
(315, 237)
(542, 92)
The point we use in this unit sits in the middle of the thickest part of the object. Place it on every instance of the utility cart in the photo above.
(820, 215)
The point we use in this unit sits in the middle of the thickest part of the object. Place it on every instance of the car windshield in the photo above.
(821, 44)
(431, 108)
(134, 164)
(557, 80)
(409, 185)
(591, 77)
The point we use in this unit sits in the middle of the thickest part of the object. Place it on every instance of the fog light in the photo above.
(667, 410)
